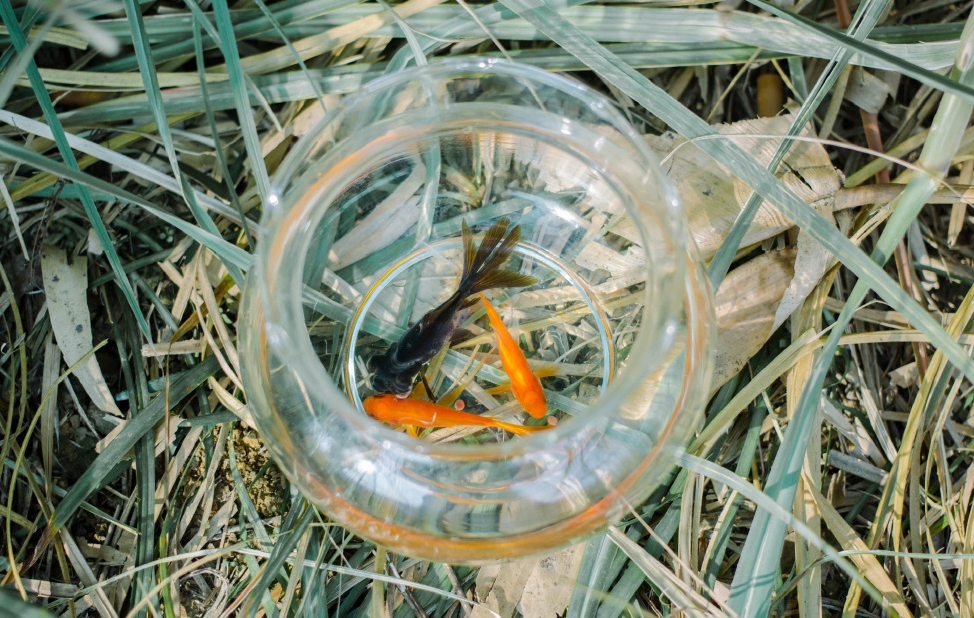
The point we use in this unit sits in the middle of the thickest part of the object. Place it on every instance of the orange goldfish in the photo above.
(526, 386)
(396, 411)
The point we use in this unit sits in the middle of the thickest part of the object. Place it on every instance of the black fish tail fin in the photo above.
(502, 279)
(469, 251)
(481, 267)
(479, 261)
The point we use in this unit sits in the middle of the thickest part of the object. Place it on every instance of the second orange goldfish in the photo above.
(525, 385)
(396, 411)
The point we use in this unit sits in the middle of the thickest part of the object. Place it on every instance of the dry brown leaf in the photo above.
(66, 288)
(549, 587)
(713, 196)
(906, 376)
(745, 306)
(500, 586)
(811, 263)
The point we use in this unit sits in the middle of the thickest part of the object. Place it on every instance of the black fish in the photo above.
(395, 371)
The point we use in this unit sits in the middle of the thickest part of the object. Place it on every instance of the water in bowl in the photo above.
(390, 250)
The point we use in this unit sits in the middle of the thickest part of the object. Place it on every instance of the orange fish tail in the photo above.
(518, 430)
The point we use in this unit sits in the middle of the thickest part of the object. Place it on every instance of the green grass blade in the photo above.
(114, 158)
(147, 69)
(872, 12)
(287, 540)
(249, 514)
(724, 528)
(760, 558)
(599, 555)
(488, 15)
(633, 577)
(145, 465)
(920, 74)
(13, 605)
(218, 245)
(44, 100)
(242, 99)
(116, 450)
(215, 134)
(304, 68)
(657, 101)
(256, 26)
(766, 504)
(20, 61)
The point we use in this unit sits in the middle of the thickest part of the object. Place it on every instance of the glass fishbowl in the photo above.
(367, 276)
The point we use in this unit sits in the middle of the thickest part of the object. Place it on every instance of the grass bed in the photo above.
(136, 145)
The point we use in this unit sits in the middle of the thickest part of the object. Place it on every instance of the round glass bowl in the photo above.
(362, 238)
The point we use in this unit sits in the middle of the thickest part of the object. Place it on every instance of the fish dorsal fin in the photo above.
(430, 318)
(459, 335)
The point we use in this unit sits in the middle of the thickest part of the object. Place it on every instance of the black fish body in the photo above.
(396, 369)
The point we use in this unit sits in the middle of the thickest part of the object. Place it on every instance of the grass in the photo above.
(817, 485)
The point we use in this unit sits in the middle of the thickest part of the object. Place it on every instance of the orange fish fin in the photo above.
(546, 371)
(500, 388)
(453, 395)
(520, 430)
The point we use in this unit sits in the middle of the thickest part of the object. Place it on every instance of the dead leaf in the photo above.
(905, 376)
(810, 265)
(549, 587)
(713, 196)
(66, 287)
(745, 306)
(867, 91)
(500, 586)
